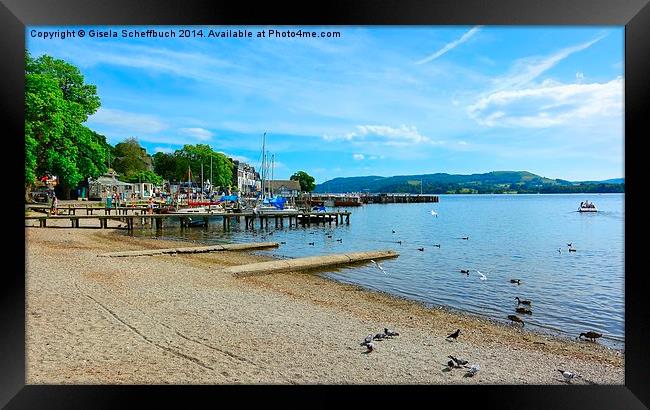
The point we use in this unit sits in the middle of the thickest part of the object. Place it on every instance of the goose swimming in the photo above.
(523, 302)
(524, 311)
(515, 318)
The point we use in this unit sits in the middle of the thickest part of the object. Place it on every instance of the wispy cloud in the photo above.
(527, 69)
(450, 46)
(198, 133)
(358, 157)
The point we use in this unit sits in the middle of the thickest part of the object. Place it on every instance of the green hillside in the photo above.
(488, 183)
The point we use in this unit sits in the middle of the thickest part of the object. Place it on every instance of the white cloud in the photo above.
(550, 104)
(358, 157)
(404, 135)
(127, 122)
(198, 133)
(450, 46)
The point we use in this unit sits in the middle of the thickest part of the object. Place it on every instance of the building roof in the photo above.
(285, 183)
(104, 180)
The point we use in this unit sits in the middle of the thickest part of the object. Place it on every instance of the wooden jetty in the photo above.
(131, 216)
(307, 263)
(398, 198)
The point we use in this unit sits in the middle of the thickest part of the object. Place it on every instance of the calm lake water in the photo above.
(510, 236)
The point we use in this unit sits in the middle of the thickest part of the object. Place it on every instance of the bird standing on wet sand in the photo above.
(516, 319)
(523, 302)
(454, 335)
(590, 335)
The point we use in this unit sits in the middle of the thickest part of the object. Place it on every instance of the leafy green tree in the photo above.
(144, 176)
(130, 157)
(57, 103)
(165, 165)
(307, 182)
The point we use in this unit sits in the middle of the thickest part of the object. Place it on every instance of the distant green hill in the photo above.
(488, 183)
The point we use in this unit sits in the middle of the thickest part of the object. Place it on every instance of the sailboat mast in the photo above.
(263, 162)
(201, 180)
(272, 169)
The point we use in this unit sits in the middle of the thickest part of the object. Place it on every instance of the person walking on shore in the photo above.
(55, 204)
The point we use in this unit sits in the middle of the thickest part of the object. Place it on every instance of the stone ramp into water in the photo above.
(194, 249)
(307, 263)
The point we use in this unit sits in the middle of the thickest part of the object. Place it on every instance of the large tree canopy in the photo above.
(57, 103)
(130, 157)
(307, 182)
(192, 156)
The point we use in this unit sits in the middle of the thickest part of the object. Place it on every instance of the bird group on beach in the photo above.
(460, 363)
(368, 342)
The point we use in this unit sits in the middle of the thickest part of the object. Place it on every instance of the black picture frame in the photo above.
(16, 14)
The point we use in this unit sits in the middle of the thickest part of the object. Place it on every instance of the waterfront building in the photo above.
(245, 178)
(283, 187)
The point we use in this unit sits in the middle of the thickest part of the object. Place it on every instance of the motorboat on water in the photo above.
(587, 206)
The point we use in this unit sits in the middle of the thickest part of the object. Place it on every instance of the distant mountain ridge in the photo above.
(490, 182)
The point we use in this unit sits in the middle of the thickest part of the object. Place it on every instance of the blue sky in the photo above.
(376, 101)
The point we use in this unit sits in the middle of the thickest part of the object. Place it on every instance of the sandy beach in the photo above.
(173, 319)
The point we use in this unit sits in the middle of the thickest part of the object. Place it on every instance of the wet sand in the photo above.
(173, 319)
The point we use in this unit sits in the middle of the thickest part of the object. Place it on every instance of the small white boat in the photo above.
(272, 210)
(587, 206)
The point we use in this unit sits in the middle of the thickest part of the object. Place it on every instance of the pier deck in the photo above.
(158, 220)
